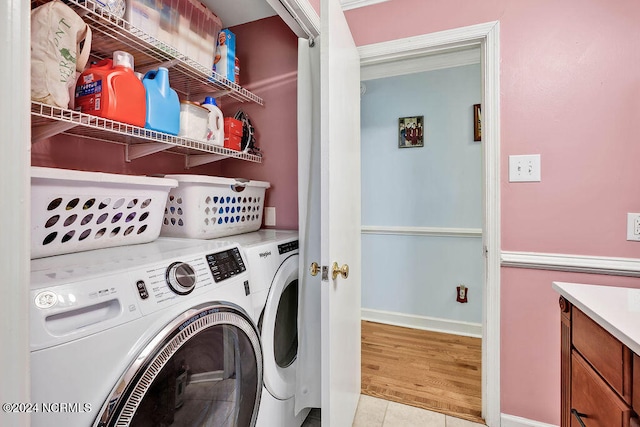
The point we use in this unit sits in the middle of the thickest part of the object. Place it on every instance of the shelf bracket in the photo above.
(192, 160)
(47, 131)
(166, 64)
(135, 151)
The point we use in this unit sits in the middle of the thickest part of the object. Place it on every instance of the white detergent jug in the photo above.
(215, 132)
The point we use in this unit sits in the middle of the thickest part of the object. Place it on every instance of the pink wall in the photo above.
(569, 91)
(268, 53)
(70, 152)
(268, 56)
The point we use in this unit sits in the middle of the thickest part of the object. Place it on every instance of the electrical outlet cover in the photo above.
(462, 292)
(633, 227)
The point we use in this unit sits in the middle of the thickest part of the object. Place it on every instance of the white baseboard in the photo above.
(455, 327)
(513, 421)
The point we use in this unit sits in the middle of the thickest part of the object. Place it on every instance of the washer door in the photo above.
(279, 331)
(204, 369)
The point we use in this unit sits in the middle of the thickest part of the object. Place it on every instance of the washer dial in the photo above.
(181, 278)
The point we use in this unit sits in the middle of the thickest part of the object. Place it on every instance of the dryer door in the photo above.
(203, 369)
(279, 331)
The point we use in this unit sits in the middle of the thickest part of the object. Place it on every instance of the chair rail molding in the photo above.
(421, 231)
(572, 263)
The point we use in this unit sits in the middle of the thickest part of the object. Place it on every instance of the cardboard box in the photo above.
(232, 134)
(225, 59)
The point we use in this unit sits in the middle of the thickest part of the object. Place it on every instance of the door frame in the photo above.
(460, 42)
(15, 175)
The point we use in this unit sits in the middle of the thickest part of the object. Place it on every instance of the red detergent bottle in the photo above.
(110, 89)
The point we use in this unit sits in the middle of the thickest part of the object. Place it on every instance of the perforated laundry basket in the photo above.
(74, 211)
(205, 207)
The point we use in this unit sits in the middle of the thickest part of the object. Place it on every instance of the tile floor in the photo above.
(374, 412)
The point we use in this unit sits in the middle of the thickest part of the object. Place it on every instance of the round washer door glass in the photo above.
(203, 370)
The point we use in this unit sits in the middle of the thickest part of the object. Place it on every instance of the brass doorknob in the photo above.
(314, 269)
(342, 271)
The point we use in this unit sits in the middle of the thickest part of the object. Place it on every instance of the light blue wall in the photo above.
(438, 185)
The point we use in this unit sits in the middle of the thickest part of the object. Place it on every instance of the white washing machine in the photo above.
(272, 256)
(157, 334)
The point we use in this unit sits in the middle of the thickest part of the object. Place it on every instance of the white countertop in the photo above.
(614, 308)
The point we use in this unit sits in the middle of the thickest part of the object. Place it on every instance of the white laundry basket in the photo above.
(205, 207)
(73, 211)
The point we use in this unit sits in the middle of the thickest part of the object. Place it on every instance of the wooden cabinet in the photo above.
(597, 374)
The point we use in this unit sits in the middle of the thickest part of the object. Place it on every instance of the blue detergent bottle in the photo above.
(163, 105)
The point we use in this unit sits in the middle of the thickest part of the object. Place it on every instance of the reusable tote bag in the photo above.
(56, 34)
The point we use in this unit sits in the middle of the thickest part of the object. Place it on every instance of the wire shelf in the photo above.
(47, 120)
(187, 77)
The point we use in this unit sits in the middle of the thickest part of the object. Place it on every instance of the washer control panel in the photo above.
(162, 284)
(226, 264)
(72, 298)
(165, 284)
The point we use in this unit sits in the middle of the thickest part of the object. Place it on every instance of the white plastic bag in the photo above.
(56, 34)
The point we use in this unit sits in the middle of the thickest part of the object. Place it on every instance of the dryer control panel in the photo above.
(283, 248)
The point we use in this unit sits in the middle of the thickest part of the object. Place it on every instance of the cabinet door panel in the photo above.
(591, 396)
(604, 352)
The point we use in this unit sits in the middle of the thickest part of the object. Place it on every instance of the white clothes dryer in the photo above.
(272, 256)
(157, 334)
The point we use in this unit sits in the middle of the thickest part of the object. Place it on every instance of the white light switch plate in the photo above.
(525, 168)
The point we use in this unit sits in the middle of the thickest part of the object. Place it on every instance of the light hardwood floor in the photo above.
(425, 369)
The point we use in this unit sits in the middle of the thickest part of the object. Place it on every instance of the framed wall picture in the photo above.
(477, 123)
(411, 132)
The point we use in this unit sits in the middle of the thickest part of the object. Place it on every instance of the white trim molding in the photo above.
(353, 4)
(299, 15)
(15, 192)
(421, 64)
(572, 263)
(443, 42)
(421, 231)
(513, 421)
(447, 326)
(486, 37)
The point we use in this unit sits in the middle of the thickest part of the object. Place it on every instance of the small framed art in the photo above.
(477, 123)
(411, 132)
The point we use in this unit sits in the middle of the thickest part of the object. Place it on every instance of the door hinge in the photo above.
(485, 251)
